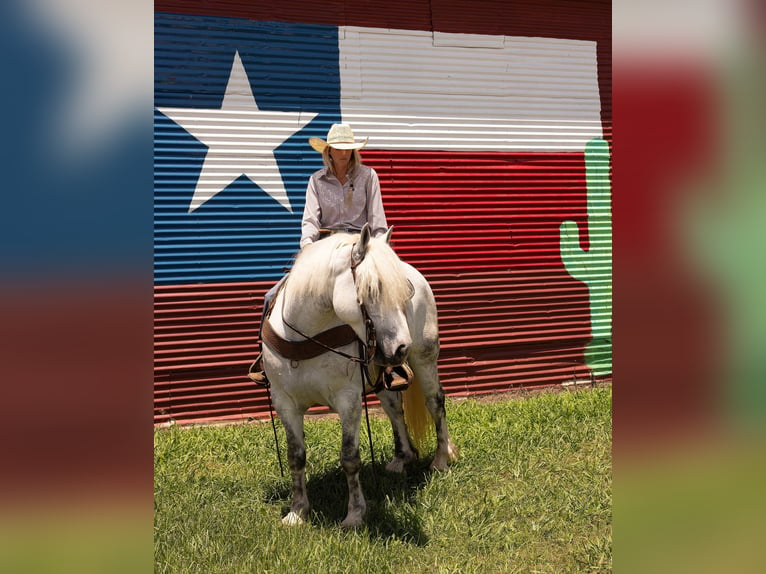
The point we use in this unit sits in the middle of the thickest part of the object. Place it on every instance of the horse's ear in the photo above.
(388, 234)
(360, 247)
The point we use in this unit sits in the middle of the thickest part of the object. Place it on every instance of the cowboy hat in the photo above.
(340, 136)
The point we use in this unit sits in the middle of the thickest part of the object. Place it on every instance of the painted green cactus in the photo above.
(594, 266)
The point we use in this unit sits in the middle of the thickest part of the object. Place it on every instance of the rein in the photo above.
(364, 352)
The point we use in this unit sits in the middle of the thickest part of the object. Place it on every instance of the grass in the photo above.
(531, 492)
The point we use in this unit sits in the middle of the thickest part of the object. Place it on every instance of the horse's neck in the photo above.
(308, 315)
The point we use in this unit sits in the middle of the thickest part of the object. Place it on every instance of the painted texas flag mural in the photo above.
(482, 143)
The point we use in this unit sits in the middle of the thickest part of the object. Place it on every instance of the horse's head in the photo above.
(375, 284)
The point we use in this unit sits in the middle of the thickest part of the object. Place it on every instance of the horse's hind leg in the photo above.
(428, 374)
(404, 452)
(296, 457)
(350, 419)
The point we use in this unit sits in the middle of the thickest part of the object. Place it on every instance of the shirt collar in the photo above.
(326, 174)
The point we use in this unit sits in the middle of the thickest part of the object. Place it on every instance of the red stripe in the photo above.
(455, 212)
(495, 335)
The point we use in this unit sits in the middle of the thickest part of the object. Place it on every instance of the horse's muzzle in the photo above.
(392, 360)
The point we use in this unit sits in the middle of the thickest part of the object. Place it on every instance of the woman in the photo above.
(345, 194)
(342, 196)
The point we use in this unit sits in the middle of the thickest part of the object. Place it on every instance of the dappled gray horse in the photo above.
(357, 281)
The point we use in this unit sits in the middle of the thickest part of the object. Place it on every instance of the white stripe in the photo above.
(411, 89)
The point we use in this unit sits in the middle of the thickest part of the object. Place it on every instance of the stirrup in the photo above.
(257, 376)
(397, 378)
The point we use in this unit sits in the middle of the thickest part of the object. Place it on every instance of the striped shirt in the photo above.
(329, 204)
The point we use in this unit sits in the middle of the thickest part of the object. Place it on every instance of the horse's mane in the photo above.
(311, 273)
(380, 276)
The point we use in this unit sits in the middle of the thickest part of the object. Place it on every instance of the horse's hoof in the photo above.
(292, 519)
(442, 460)
(352, 523)
(396, 465)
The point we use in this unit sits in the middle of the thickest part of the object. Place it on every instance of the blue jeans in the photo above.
(267, 299)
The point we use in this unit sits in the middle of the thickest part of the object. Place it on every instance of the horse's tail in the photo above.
(416, 415)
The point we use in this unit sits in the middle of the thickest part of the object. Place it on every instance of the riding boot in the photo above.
(258, 376)
(398, 378)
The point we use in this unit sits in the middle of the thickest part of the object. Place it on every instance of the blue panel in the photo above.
(241, 233)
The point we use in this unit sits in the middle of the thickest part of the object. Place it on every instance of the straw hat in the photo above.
(340, 136)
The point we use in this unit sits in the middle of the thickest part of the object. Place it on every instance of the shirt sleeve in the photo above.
(311, 215)
(376, 216)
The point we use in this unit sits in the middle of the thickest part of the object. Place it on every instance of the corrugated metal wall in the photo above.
(506, 211)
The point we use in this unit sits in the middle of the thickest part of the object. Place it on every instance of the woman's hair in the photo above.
(356, 160)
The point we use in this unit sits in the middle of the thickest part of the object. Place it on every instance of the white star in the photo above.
(241, 140)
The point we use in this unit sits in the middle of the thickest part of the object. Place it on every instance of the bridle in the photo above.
(368, 348)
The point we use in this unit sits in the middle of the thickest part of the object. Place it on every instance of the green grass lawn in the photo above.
(531, 492)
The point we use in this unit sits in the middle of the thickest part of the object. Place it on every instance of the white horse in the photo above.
(357, 281)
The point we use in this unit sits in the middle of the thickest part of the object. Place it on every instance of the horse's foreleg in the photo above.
(404, 452)
(296, 458)
(446, 451)
(350, 419)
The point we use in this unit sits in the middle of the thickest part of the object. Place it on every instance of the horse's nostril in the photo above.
(402, 351)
